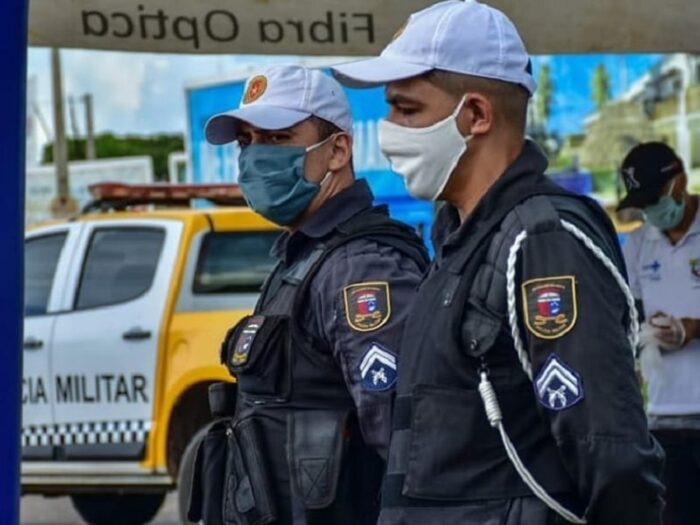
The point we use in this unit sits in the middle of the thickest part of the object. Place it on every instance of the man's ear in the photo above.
(680, 188)
(341, 153)
(476, 116)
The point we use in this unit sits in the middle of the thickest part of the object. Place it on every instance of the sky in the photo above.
(143, 93)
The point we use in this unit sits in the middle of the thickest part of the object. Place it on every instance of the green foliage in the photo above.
(108, 146)
(545, 91)
(561, 162)
(600, 86)
(604, 180)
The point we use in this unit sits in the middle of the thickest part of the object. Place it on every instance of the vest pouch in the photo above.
(451, 447)
(208, 476)
(479, 329)
(222, 399)
(257, 352)
(315, 449)
(247, 492)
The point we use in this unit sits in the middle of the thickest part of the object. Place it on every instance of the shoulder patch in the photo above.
(549, 305)
(378, 369)
(557, 385)
(695, 269)
(367, 305)
(241, 351)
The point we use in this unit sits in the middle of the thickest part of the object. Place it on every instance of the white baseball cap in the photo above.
(464, 37)
(280, 97)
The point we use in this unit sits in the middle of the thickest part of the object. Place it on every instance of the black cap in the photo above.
(645, 171)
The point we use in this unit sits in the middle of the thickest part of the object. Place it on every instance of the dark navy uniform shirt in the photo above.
(358, 301)
(574, 320)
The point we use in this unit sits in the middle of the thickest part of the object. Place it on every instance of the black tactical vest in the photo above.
(443, 451)
(295, 418)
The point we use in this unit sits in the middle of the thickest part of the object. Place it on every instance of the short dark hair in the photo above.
(324, 128)
(509, 100)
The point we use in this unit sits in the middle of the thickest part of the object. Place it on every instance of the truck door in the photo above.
(106, 343)
(47, 259)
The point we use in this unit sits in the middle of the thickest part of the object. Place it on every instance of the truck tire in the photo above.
(184, 476)
(117, 509)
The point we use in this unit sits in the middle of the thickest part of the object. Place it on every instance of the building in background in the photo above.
(663, 104)
(41, 182)
(177, 167)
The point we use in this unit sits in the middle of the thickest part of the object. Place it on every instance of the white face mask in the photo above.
(424, 157)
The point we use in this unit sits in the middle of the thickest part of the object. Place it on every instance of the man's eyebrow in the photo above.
(398, 98)
(291, 130)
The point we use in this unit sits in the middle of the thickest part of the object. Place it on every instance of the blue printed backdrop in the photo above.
(211, 164)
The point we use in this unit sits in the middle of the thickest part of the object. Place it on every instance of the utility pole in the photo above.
(63, 204)
(89, 127)
(73, 119)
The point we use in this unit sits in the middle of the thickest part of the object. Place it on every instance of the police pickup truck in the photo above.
(124, 314)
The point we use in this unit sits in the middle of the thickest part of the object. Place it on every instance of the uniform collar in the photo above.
(336, 210)
(528, 166)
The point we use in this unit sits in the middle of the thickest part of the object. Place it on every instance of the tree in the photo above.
(545, 91)
(600, 86)
(108, 146)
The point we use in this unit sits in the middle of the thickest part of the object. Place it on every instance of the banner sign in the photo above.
(348, 27)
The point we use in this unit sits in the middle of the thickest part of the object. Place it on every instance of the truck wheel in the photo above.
(117, 509)
(185, 473)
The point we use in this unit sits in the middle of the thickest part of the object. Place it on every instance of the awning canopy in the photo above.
(349, 27)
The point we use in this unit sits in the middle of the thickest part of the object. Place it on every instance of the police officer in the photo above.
(517, 400)
(663, 259)
(316, 363)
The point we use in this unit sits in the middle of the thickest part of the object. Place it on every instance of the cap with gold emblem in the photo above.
(465, 37)
(280, 97)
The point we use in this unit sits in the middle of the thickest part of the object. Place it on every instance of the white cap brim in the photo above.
(223, 128)
(376, 71)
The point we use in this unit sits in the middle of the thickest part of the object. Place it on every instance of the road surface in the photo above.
(37, 510)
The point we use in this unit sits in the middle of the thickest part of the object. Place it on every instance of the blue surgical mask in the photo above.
(667, 213)
(273, 182)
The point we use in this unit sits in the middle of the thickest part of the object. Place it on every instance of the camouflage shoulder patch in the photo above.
(367, 305)
(550, 306)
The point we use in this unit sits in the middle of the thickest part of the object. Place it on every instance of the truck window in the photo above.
(119, 266)
(233, 262)
(41, 259)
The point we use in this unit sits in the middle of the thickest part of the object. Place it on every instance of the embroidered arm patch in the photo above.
(378, 369)
(245, 340)
(549, 306)
(557, 385)
(367, 305)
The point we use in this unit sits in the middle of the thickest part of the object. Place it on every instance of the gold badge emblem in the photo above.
(256, 88)
(550, 306)
(367, 305)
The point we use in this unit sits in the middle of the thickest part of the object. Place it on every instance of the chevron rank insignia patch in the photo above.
(557, 385)
(549, 306)
(378, 369)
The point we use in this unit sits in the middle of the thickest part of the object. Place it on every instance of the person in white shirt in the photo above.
(663, 261)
